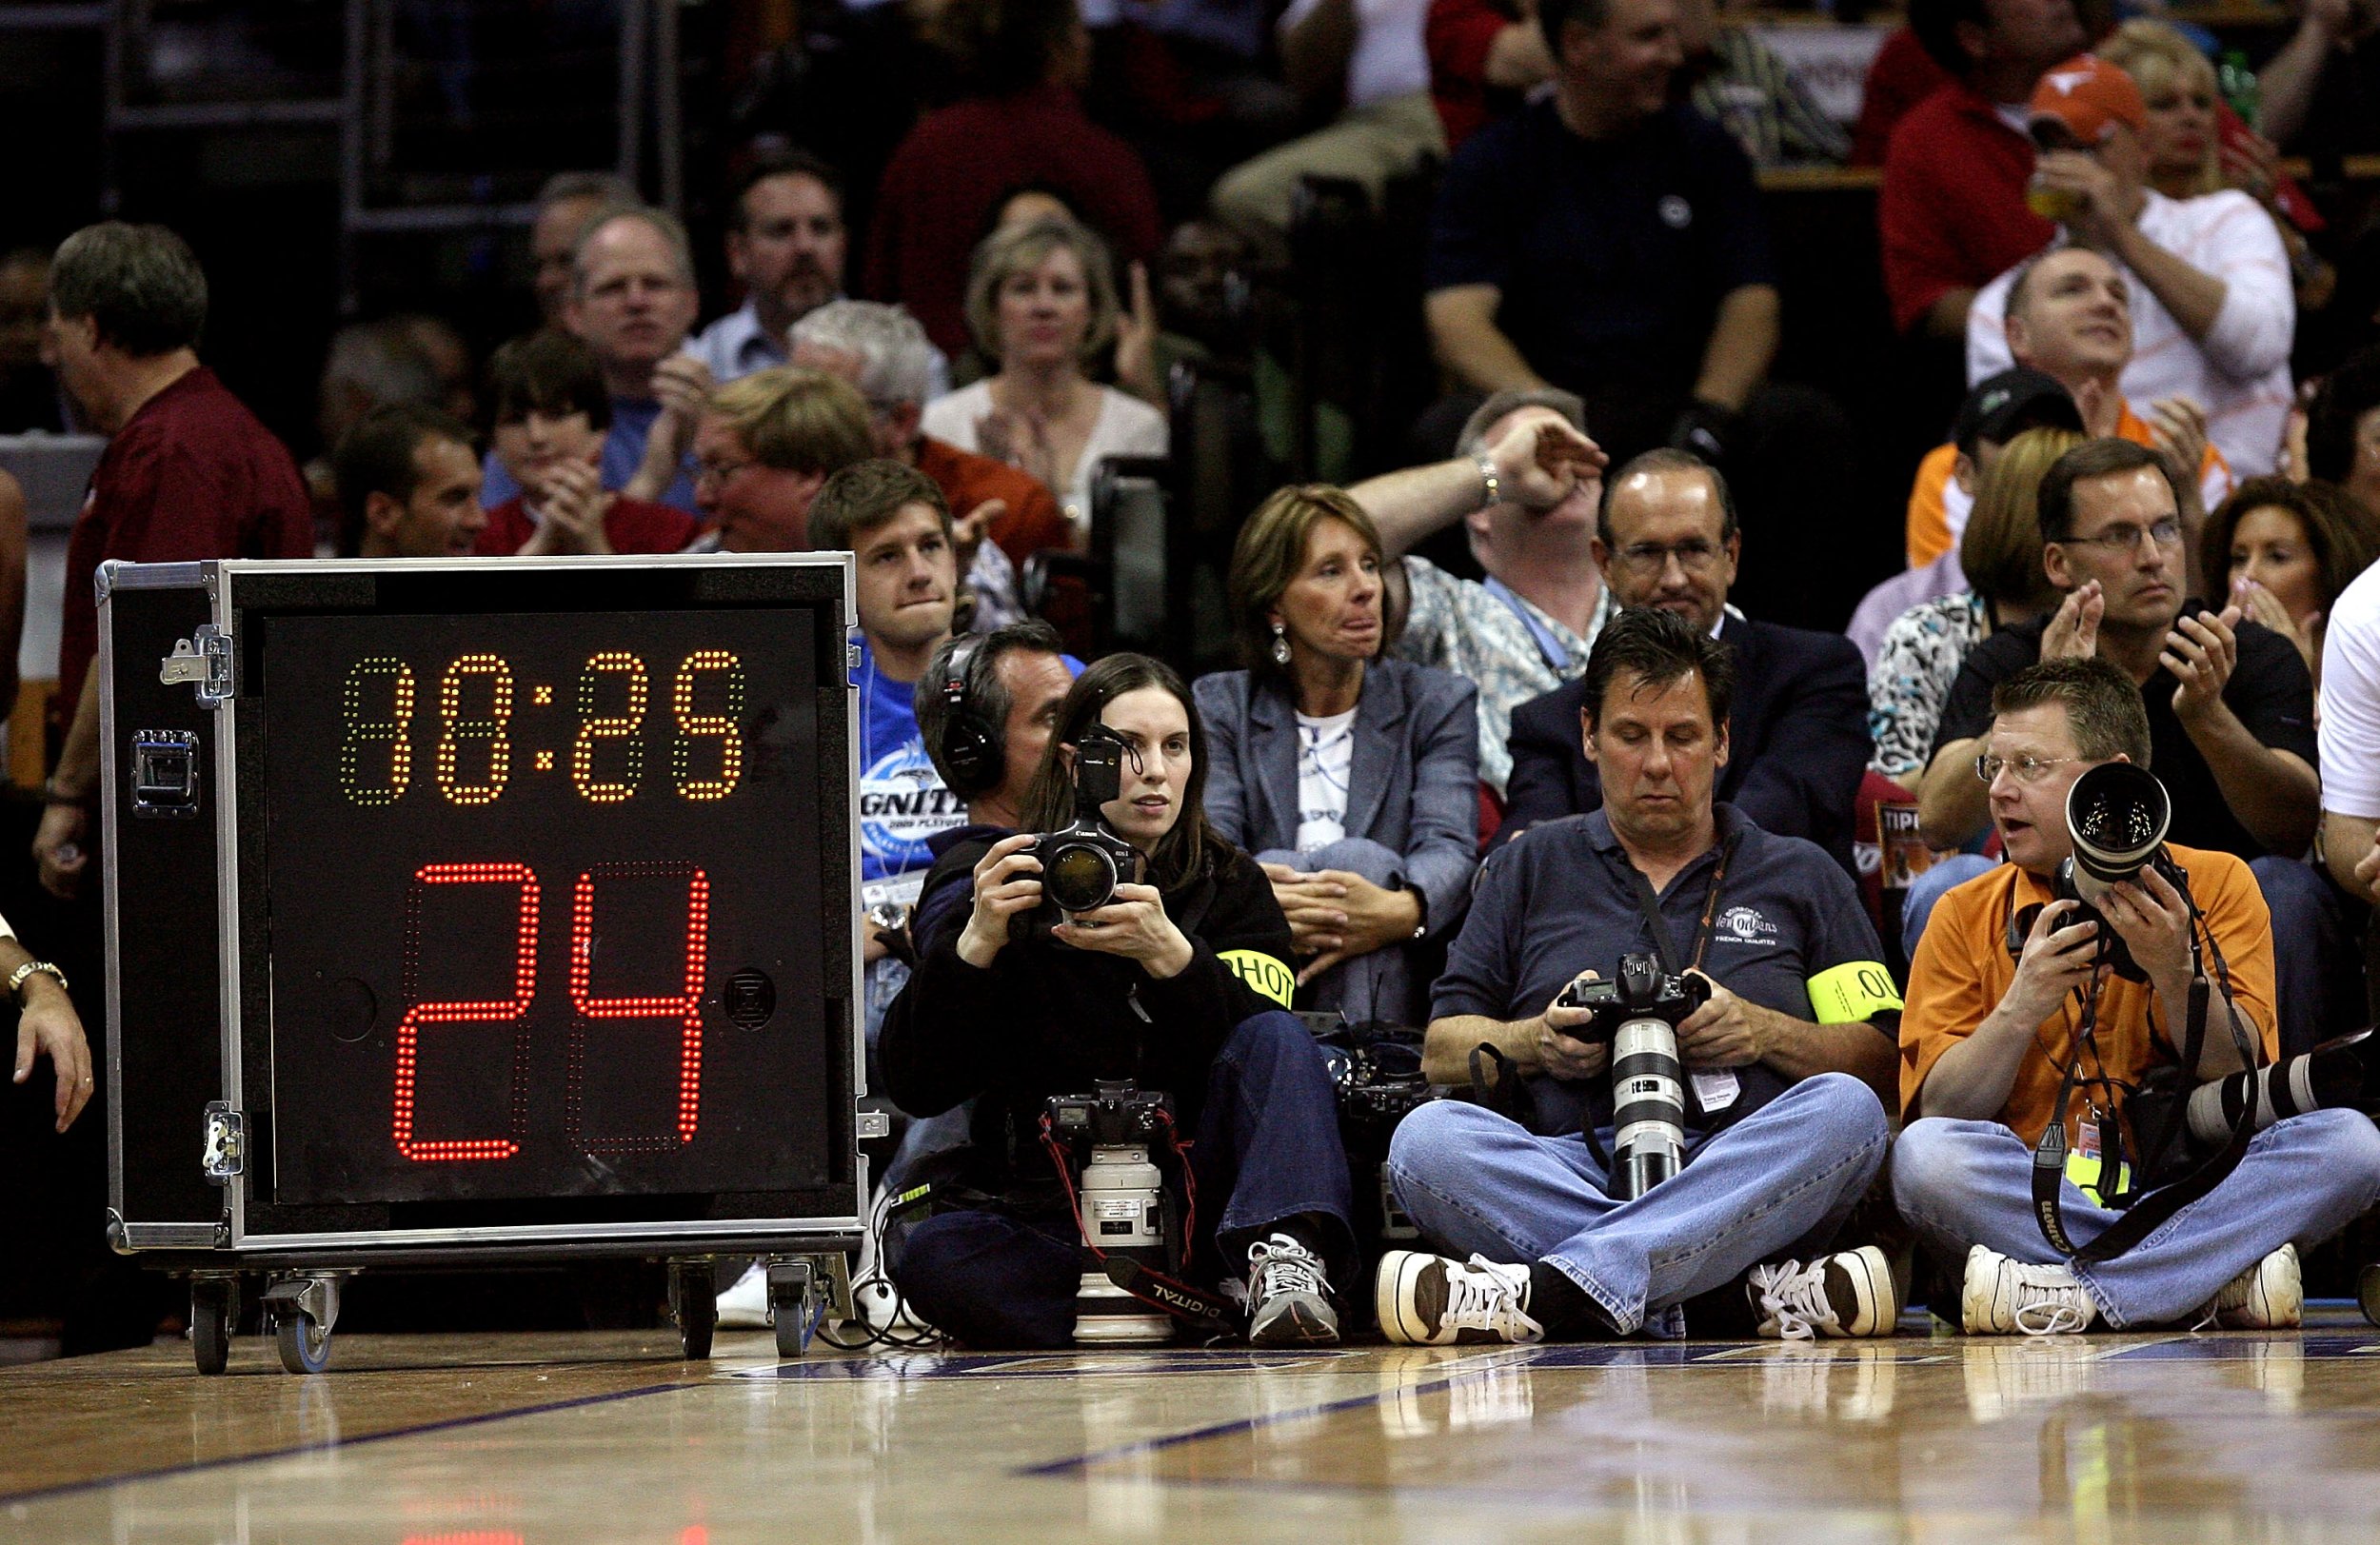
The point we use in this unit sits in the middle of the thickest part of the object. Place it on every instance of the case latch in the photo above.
(225, 1153)
(204, 661)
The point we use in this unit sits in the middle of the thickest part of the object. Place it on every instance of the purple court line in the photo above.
(45, 1494)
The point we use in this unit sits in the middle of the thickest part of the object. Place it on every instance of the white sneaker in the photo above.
(1289, 1299)
(1850, 1293)
(745, 1306)
(1431, 1300)
(2003, 1297)
(2269, 1296)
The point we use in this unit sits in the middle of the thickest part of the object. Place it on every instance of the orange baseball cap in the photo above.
(2087, 96)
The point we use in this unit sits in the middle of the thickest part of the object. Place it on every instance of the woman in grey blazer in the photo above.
(1352, 777)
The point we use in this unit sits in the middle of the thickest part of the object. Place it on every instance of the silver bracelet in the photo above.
(16, 978)
(1493, 483)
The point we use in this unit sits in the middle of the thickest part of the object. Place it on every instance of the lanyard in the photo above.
(1556, 656)
(1651, 905)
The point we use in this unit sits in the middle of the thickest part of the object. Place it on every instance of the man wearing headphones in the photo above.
(985, 708)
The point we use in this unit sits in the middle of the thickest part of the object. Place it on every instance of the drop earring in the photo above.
(1281, 645)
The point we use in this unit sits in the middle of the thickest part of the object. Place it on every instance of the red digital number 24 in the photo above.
(683, 1011)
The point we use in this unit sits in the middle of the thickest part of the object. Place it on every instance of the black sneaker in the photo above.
(1847, 1293)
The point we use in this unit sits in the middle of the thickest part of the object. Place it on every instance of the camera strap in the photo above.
(1648, 904)
(2143, 1213)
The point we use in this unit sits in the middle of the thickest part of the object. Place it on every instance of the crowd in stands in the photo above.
(1451, 773)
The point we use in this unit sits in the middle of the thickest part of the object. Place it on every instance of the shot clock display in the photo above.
(534, 929)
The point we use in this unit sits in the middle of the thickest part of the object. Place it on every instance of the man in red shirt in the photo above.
(1020, 125)
(1951, 213)
(188, 472)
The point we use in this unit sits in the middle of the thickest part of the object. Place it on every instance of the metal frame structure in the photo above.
(364, 113)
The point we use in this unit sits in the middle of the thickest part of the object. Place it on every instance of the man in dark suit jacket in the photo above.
(1797, 736)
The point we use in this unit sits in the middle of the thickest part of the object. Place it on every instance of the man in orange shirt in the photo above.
(2070, 316)
(1990, 1025)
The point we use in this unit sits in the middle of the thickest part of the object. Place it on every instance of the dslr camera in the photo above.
(2116, 815)
(1083, 861)
(1638, 1016)
(1124, 1207)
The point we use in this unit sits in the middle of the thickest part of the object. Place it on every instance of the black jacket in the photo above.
(1046, 1019)
(1797, 740)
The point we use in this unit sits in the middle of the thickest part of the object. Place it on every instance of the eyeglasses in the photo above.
(718, 472)
(2024, 769)
(1652, 558)
(2118, 540)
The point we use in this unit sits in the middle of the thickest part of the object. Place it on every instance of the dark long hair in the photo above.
(2345, 537)
(1192, 847)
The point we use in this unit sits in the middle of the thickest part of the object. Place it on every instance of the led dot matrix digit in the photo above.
(490, 728)
(395, 731)
(514, 1011)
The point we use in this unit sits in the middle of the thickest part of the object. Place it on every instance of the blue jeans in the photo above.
(1778, 1182)
(1267, 1149)
(2314, 954)
(1962, 1183)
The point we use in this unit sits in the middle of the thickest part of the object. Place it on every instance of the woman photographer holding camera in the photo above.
(1179, 983)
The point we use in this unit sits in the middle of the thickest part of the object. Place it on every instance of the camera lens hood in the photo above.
(2116, 814)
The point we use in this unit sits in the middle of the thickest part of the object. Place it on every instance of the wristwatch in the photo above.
(16, 978)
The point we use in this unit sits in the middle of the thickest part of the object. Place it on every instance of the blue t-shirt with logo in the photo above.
(902, 800)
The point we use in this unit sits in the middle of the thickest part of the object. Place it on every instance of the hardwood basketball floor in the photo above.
(568, 1440)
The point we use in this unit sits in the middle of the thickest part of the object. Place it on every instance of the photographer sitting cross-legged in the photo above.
(1784, 1058)
(1179, 984)
(1996, 1002)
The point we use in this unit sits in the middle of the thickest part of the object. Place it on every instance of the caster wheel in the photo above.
(211, 1326)
(794, 1303)
(305, 1341)
(2367, 1293)
(794, 1317)
(695, 1302)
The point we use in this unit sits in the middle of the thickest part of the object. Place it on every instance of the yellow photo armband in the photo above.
(1853, 991)
(1263, 974)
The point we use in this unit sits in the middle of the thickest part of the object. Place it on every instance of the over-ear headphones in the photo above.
(974, 752)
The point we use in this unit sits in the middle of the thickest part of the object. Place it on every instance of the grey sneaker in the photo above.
(1289, 1298)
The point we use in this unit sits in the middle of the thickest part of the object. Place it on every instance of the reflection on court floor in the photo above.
(518, 1440)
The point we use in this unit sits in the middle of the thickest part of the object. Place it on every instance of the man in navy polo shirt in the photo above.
(1785, 1060)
